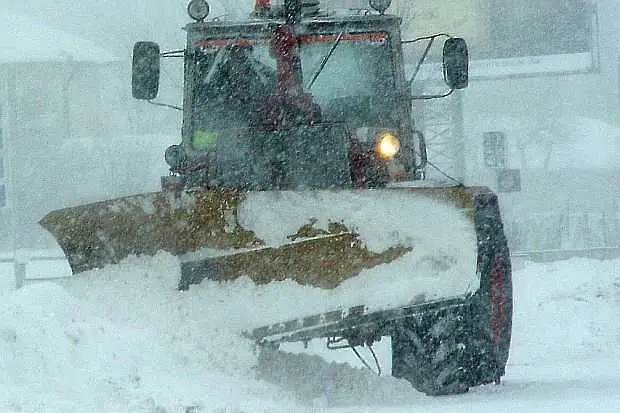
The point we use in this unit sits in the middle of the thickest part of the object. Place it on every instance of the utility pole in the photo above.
(20, 259)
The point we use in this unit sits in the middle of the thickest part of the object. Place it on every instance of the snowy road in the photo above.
(124, 341)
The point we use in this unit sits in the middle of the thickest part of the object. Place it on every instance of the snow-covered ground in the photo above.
(123, 340)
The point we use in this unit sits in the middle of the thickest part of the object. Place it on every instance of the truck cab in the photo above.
(291, 98)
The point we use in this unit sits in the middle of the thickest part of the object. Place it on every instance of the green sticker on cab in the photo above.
(204, 139)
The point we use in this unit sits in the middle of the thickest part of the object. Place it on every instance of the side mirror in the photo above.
(456, 63)
(145, 70)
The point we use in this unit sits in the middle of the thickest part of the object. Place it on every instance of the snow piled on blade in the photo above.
(383, 218)
(442, 263)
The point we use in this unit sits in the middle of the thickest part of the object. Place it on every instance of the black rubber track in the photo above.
(449, 350)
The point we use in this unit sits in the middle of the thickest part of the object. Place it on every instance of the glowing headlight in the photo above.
(198, 9)
(388, 145)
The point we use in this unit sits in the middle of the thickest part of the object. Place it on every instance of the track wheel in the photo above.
(441, 352)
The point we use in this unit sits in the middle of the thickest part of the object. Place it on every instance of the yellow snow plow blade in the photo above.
(312, 237)
(102, 233)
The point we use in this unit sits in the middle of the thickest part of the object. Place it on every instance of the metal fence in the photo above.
(564, 232)
(18, 269)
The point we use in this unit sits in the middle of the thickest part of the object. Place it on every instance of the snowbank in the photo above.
(124, 340)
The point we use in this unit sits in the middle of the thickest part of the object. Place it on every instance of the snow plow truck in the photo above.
(300, 161)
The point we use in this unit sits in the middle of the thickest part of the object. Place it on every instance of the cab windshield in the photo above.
(234, 78)
(357, 78)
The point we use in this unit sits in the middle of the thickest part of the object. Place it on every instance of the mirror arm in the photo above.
(420, 61)
(166, 105)
(425, 97)
(173, 53)
(431, 36)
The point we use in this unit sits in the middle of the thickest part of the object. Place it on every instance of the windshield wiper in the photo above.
(324, 61)
(219, 56)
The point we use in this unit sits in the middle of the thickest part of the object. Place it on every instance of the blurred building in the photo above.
(54, 88)
(539, 121)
